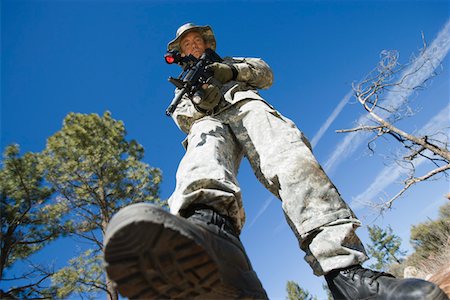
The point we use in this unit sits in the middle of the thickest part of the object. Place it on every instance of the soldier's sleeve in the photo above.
(254, 71)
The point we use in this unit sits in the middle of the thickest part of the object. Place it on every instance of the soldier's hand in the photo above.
(210, 98)
(222, 72)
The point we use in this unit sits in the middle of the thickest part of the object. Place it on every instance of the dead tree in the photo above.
(385, 94)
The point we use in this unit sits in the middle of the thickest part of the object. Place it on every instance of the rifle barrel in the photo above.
(173, 105)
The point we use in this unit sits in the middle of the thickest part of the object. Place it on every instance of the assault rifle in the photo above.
(193, 76)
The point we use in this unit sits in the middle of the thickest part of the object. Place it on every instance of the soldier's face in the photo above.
(193, 43)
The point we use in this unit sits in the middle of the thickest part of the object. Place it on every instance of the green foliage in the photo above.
(327, 289)
(83, 275)
(295, 292)
(96, 171)
(29, 219)
(385, 247)
(92, 166)
(431, 237)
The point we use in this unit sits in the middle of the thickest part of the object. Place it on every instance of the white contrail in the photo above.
(330, 119)
(280, 227)
(261, 210)
(391, 173)
(387, 176)
(428, 62)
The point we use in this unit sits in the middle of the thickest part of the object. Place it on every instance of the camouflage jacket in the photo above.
(253, 74)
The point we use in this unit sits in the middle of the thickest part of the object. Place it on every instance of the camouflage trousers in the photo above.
(282, 160)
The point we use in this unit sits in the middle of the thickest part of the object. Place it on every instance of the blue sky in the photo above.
(91, 56)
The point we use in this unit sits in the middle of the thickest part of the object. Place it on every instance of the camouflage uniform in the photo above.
(244, 124)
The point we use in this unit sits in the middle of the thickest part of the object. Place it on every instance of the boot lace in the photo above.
(210, 216)
(365, 273)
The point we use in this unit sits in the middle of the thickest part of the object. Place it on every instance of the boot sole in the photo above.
(148, 258)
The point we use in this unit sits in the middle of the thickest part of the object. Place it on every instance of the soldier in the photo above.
(195, 251)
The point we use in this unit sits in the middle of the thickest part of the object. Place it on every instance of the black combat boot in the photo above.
(357, 282)
(152, 254)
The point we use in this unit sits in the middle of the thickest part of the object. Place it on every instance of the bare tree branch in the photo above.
(415, 180)
(391, 79)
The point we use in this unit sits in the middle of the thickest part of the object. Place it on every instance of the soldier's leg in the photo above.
(282, 160)
(323, 223)
(207, 173)
(152, 254)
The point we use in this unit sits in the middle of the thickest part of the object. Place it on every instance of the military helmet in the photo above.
(205, 31)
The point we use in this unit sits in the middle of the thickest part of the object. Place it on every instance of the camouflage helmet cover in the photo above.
(205, 31)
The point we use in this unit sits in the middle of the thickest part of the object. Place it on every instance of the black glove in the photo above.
(210, 97)
(223, 72)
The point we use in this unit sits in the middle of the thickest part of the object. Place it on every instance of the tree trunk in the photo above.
(393, 256)
(112, 293)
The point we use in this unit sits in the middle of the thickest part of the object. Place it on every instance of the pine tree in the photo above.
(29, 221)
(327, 290)
(295, 292)
(431, 237)
(96, 171)
(385, 247)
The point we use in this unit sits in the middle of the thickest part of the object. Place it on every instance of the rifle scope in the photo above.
(173, 56)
